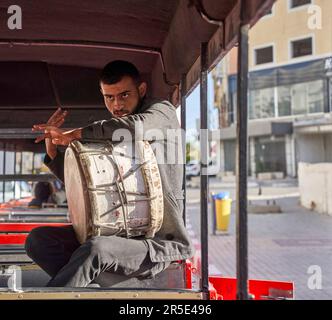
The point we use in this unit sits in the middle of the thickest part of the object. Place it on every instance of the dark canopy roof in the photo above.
(56, 57)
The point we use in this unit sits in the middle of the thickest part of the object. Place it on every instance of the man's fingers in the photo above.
(46, 128)
(53, 131)
(59, 114)
(59, 122)
(49, 132)
(38, 139)
(60, 141)
(54, 114)
(56, 141)
(41, 138)
(57, 135)
(39, 127)
(56, 120)
(42, 126)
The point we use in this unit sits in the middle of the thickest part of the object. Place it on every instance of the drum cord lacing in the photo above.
(120, 186)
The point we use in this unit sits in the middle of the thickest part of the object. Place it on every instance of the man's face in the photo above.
(122, 98)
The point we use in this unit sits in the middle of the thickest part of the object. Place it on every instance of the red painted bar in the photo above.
(188, 273)
(16, 233)
(13, 238)
(26, 226)
(258, 289)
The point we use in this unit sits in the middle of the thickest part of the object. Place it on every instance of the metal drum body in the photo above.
(113, 189)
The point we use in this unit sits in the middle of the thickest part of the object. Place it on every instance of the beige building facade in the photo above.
(286, 24)
(290, 90)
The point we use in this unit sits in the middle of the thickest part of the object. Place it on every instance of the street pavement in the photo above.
(294, 245)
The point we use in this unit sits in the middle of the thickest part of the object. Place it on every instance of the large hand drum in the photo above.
(113, 189)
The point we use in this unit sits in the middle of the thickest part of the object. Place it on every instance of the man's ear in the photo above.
(142, 89)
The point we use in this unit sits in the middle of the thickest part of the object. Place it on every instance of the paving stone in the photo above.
(280, 247)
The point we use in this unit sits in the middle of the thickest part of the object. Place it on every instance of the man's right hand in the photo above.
(56, 120)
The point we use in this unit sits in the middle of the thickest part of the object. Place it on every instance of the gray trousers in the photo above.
(70, 264)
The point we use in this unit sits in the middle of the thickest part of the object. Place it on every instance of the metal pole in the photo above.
(242, 170)
(184, 146)
(3, 184)
(33, 163)
(329, 95)
(213, 216)
(15, 171)
(4, 172)
(21, 170)
(204, 161)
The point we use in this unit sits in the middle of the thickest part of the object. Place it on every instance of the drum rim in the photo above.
(75, 147)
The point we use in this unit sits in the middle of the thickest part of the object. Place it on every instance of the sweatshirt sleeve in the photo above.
(158, 116)
(56, 165)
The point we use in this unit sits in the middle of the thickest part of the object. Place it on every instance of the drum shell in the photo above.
(107, 186)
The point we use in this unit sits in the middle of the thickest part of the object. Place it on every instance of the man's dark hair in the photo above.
(114, 71)
(42, 191)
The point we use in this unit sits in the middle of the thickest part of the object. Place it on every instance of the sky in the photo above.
(193, 109)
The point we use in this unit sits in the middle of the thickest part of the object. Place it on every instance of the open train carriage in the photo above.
(54, 60)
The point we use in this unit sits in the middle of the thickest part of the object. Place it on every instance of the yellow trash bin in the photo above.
(223, 211)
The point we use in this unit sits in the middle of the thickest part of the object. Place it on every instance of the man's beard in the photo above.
(124, 112)
(138, 106)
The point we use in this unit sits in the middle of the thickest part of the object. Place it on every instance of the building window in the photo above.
(299, 3)
(261, 103)
(229, 154)
(264, 55)
(308, 97)
(296, 99)
(270, 154)
(301, 98)
(301, 48)
(284, 101)
(315, 96)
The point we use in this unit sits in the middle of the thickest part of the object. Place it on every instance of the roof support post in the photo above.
(241, 162)
(4, 172)
(204, 183)
(14, 191)
(183, 133)
(329, 94)
(21, 170)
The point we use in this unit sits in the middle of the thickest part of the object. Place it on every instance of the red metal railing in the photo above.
(16, 233)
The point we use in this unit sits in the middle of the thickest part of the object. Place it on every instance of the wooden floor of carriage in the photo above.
(170, 284)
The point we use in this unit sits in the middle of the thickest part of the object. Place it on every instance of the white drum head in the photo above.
(77, 196)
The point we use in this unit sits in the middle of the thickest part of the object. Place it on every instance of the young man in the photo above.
(56, 250)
